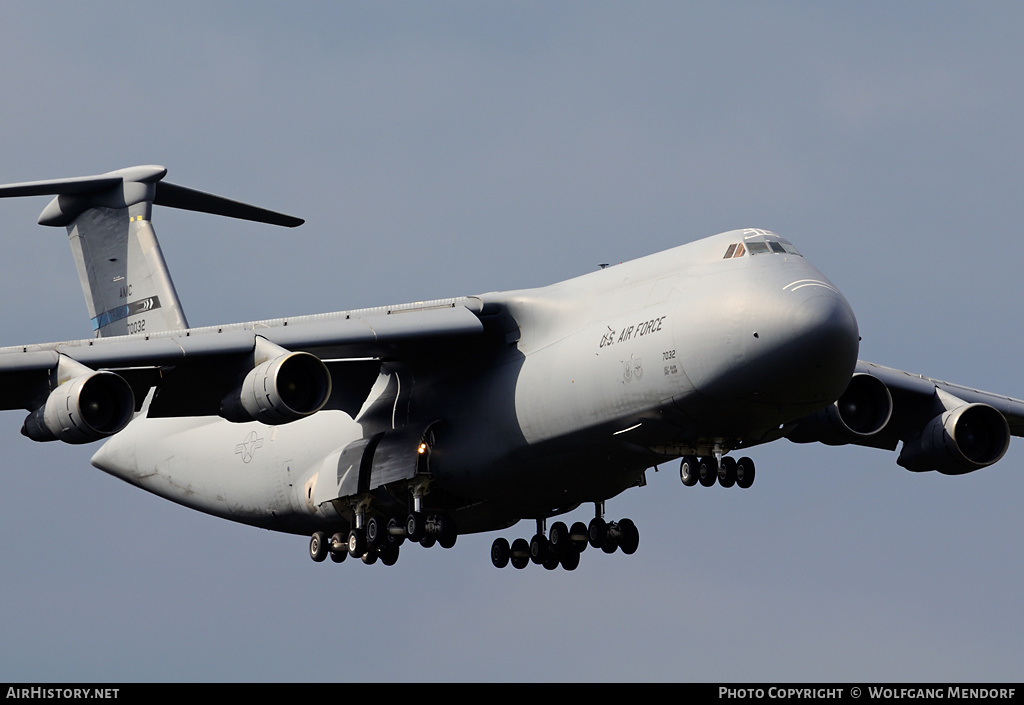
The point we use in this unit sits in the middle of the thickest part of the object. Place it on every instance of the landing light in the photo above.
(422, 449)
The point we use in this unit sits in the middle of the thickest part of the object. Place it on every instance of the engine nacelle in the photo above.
(958, 441)
(83, 409)
(286, 388)
(860, 412)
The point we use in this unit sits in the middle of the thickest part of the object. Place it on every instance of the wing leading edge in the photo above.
(943, 426)
(201, 368)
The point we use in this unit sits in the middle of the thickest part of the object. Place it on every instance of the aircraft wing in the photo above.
(205, 364)
(943, 426)
(907, 387)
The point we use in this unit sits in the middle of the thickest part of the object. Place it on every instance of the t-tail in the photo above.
(127, 286)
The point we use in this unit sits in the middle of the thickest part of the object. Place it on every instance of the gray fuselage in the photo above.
(574, 390)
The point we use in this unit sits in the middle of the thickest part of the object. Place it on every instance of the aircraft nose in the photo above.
(792, 342)
(804, 344)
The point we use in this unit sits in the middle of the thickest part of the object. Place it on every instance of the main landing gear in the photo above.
(563, 545)
(708, 470)
(380, 539)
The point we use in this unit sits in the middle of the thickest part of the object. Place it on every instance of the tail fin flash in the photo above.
(127, 286)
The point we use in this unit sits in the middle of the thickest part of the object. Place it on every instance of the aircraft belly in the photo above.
(247, 472)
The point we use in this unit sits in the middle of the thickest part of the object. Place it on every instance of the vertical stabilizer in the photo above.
(127, 287)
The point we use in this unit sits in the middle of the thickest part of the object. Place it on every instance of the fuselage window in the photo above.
(757, 248)
(728, 253)
(776, 247)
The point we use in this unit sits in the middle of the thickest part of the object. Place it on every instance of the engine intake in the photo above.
(286, 388)
(958, 441)
(83, 409)
(860, 412)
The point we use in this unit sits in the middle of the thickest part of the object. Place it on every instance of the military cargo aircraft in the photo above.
(418, 422)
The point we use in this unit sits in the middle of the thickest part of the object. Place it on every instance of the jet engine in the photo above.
(286, 388)
(83, 409)
(860, 412)
(958, 441)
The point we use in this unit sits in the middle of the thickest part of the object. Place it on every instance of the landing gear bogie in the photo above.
(562, 546)
(727, 472)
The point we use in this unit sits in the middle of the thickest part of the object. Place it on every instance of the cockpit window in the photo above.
(759, 244)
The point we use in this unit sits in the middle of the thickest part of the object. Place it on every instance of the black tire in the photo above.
(629, 537)
(371, 556)
(597, 532)
(393, 535)
(578, 534)
(539, 548)
(338, 555)
(688, 470)
(389, 553)
(449, 533)
(727, 472)
(415, 526)
(744, 472)
(501, 552)
(318, 546)
(357, 543)
(520, 554)
(570, 560)
(559, 538)
(708, 471)
(374, 533)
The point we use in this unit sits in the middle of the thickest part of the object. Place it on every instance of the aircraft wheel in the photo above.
(356, 543)
(415, 526)
(428, 541)
(393, 535)
(338, 555)
(374, 533)
(708, 471)
(520, 554)
(610, 544)
(551, 561)
(597, 532)
(727, 472)
(371, 556)
(559, 538)
(501, 552)
(318, 546)
(389, 554)
(688, 470)
(745, 472)
(538, 548)
(629, 537)
(570, 560)
(578, 536)
(449, 533)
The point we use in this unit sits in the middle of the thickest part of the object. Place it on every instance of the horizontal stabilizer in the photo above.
(126, 187)
(174, 196)
(56, 187)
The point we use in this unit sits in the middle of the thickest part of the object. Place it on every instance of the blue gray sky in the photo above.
(440, 149)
